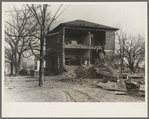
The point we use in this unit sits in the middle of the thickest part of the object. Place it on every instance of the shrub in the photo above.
(32, 72)
(23, 72)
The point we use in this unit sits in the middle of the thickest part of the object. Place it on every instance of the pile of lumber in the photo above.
(132, 87)
(127, 86)
(112, 86)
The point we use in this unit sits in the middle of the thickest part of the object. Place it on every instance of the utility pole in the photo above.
(89, 43)
(122, 54)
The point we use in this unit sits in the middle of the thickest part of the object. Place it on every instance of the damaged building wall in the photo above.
(74, 45)
(85, 53)
(85, 39)
(73, 56)
(85, 57)
(74, 37)
(110, 40)
(54, 58)
(99, 37)
(78, 56)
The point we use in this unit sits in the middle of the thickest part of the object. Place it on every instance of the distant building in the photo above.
(77, 42)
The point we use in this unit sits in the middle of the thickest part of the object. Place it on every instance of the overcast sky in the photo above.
(131, 15)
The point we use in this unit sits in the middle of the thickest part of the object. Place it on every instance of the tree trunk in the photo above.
(42, 36)
(41, 72)
(17, 67)
(11, 65)
(131, 66)
(121, 65)
(132, 69)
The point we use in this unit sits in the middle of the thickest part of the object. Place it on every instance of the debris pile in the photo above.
(132, 87)
(101, 72)
(105, 73)
(112, 86)
(69, 73)
(127, 86)
(85, 71)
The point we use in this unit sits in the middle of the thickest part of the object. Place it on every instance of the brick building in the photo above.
(77, 42)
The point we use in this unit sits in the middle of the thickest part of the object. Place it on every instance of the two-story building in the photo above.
(77, 42)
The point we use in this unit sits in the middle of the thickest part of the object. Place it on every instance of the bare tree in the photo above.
(134, 51)
(19, 30)
(131, 49)
(43, 17)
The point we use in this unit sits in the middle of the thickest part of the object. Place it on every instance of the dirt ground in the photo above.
(55, 89)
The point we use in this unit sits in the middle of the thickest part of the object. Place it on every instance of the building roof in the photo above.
(84, 24)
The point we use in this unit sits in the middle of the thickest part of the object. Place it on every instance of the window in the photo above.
(35, 67)
(67, 61)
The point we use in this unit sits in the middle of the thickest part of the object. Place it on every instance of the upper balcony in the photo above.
(82, 39)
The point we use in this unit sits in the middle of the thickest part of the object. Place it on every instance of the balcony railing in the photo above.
(80, 46)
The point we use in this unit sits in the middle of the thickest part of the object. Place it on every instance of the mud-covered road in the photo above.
(25, 89)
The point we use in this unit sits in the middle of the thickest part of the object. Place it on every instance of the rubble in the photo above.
(125, 86)
(89, 71)
(112, 86)
(107, 80)
(129, 82)
(86, 71)
(69, 73)
(132, 87)
(105, 73)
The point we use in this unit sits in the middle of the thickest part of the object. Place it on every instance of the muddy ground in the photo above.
(55, 89)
